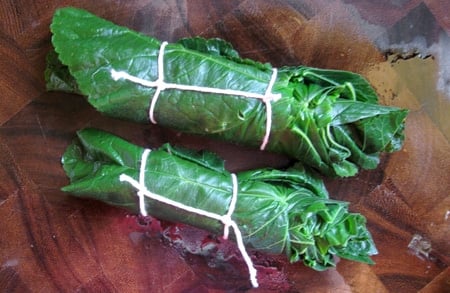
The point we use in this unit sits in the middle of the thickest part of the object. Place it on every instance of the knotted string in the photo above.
(161, 85)
(225, 219)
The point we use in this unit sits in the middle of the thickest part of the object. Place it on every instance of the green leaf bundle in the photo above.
(276, 211)
(329, 120)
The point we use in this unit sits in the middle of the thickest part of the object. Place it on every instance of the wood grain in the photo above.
(50, 242)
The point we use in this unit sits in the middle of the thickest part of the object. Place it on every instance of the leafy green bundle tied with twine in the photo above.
(276, 211)
(329, 120)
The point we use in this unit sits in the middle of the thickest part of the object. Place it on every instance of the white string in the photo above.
(267, 101)
(161, 85)
(142, 181)
(225, 219)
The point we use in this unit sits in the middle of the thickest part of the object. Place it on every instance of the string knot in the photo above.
(271, 98)
(227, 223)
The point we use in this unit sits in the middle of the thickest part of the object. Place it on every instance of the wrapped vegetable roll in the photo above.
(276, 212)
(327, 119)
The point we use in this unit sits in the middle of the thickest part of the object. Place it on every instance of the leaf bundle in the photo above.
(276, 211)
(329, 120)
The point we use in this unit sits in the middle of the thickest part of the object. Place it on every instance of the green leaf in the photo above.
(204, 158)
(292, 177)
(351, 81)
(213, 47)
(57, 75)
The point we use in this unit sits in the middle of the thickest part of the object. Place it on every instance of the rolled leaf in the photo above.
(329, 120)
(276, 211)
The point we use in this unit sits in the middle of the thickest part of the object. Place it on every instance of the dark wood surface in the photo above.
(50, 242)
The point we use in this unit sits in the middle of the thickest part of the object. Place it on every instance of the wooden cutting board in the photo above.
(50, 242)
